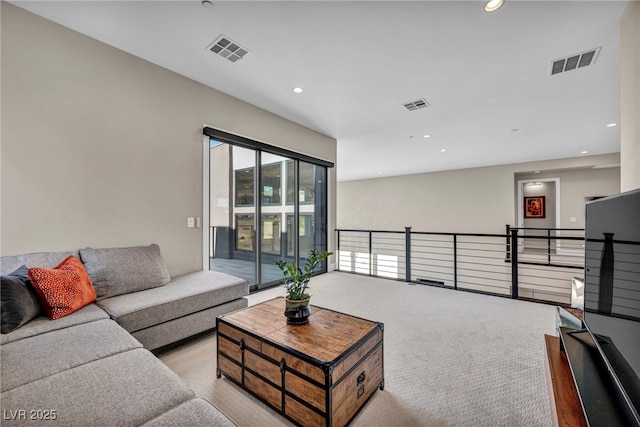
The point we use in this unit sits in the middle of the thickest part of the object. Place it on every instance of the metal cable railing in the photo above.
(615, 266)
(469, 261)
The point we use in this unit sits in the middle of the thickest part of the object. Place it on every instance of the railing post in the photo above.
(508, 232)
(338, 250)
(455, 261)
(514, 264)
(407, 252)
(370, 253)
(605, 292)
(548, 246)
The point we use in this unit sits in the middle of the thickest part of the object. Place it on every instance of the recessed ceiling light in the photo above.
(443, 150)
(493, 5)
(206, 4)
(610, 125)
(427, 135)
(584, 152)
(298, 90)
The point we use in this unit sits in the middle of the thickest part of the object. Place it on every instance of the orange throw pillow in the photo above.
(64, 289)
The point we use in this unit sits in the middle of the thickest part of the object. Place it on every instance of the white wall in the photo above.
(575, 185)
(548, 190)
(101, 148)
(481, 200)
(630, 96)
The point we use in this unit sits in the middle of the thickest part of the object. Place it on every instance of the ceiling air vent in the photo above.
(572, 62)
(227, 48)
(416, 105)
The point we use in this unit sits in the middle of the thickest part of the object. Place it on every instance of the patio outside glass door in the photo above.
(232, 210)
(261, 214)
(272, 211)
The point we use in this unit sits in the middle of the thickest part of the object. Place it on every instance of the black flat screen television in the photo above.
(612, 290)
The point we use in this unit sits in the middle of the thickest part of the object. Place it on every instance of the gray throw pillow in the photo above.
(116, 271)
(18, 300)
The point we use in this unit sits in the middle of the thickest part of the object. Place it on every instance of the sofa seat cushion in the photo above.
(184, 295)
(43, 324)
(126, 389)
(195, 412)
(175, 330)
(117, 271)
(36, 259)
(29, 360)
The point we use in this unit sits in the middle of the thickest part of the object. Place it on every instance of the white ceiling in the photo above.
(484, 75)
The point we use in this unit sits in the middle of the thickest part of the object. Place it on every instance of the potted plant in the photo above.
(296, 282)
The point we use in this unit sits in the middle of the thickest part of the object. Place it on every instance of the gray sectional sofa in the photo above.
(94, 366)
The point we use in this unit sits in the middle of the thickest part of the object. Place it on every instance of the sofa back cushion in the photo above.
(116, 271)
(11, 263)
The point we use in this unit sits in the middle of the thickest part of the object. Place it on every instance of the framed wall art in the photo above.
(534, 207)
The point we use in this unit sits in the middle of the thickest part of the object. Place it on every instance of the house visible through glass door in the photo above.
(261, 214)
(232, 211)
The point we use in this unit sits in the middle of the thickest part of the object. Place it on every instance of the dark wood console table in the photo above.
(565, 403)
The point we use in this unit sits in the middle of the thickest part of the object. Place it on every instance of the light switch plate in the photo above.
(191, 222)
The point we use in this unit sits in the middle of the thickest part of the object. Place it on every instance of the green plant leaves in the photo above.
(296, 280)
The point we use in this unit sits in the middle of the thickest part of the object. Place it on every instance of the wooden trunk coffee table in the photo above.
(317, 374)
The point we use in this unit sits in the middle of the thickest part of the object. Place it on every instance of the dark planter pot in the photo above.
(297, 311)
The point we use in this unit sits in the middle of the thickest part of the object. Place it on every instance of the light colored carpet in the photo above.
(451, 358)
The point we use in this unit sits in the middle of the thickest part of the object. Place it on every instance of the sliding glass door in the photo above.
(272, 211)
(264, 206)
(232, 210)
(311, 212)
